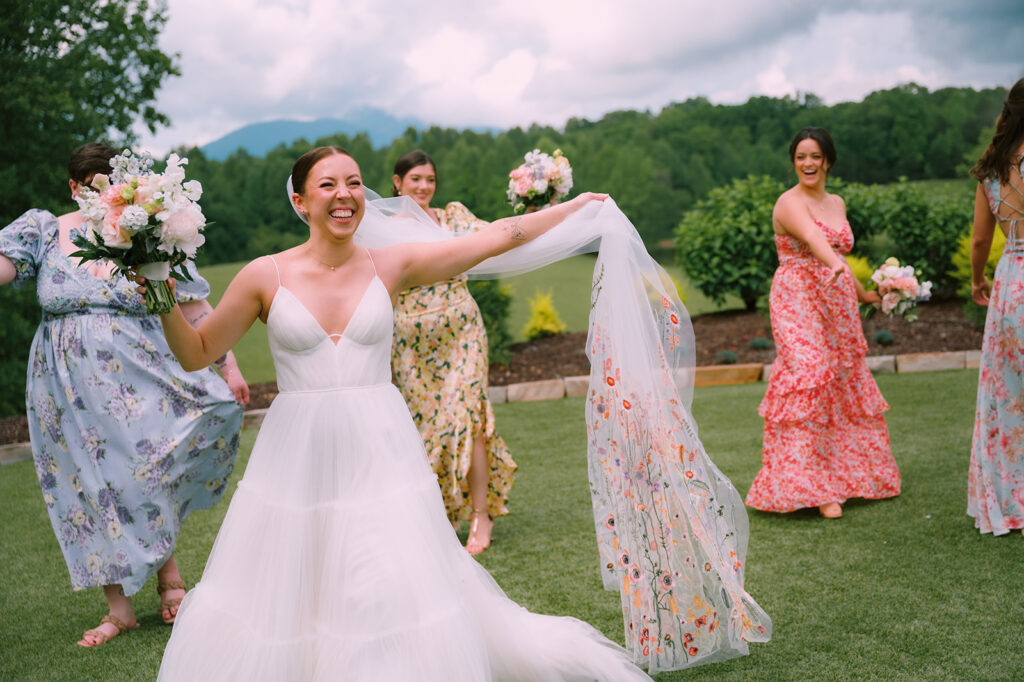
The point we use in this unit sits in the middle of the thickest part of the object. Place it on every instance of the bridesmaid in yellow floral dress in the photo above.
(439, 362)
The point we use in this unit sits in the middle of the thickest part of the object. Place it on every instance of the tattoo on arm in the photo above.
(516, 233)
(194, 320)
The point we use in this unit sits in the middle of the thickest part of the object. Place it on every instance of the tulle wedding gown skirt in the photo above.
(336, 561)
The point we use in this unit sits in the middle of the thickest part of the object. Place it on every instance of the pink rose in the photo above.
(908, 285)
(113, 235)
(112, 196)
(890, 301)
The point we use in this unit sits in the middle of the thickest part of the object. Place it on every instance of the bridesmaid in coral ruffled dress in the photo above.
(825, 438)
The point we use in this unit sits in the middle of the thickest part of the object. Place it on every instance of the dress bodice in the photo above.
(308, 359)
(441, 296)
(793, 251)
(1013, 198)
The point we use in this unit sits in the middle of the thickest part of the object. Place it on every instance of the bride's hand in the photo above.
(586, 197)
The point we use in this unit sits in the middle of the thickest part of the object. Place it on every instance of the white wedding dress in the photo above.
(336, 560)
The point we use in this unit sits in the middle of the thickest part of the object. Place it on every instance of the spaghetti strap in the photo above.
(374, 265)
(274, 261)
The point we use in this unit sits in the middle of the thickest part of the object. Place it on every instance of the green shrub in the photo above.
(920, 223)
(961, 273)
(680, 289)
(760, 343)
(726, 357)
(883, 337)
(725, 243)
(495, 303)
(544, 319)
(21, 317)
(861, 269)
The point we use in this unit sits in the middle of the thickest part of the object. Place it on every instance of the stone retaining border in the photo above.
(714, 375)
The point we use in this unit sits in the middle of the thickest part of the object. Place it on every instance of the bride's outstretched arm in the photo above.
(425, 263)
(242, 303)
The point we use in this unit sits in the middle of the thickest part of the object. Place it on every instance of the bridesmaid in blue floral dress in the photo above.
(995, 486)
(126, 444)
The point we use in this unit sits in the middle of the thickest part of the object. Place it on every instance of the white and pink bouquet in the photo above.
(544, 179)
(143, 222)
(900, 288)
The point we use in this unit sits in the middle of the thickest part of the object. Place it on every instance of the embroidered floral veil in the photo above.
(672, 530)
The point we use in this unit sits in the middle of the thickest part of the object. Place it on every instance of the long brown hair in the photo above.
(998, 158)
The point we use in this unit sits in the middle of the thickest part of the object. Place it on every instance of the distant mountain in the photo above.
(259, 138)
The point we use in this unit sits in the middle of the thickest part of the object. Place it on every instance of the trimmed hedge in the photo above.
(725, 243)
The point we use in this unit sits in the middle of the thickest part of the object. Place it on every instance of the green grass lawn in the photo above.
(901, 589)
(568, 280)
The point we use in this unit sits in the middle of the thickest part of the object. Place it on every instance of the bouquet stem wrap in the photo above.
(159, 297)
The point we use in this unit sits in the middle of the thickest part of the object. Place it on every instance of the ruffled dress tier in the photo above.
(336, 560)
(825, 436)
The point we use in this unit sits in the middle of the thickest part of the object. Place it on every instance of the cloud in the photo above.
(515, 62)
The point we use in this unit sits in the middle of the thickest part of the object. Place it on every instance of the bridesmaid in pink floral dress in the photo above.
(995, 484)
(825, 438)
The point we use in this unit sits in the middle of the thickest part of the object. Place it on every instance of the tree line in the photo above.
(656, 166)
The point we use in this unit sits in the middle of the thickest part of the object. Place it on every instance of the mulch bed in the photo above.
(941, 327)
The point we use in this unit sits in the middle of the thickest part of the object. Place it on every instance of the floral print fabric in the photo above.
(825, 436)
(439, 363)
(995, 485)
(126, 443)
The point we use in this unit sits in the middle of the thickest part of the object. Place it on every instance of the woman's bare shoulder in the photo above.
(787, 202)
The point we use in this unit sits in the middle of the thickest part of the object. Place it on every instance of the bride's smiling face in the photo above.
(333, 198)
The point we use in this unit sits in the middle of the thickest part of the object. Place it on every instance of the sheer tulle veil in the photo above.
(672, 530)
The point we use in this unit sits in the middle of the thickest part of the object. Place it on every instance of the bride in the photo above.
(336, 560)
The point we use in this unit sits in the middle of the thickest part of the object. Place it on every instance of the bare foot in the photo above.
(110, 626)
(832, 510)
(480, 527)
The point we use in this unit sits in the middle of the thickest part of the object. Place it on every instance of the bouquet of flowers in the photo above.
(143, 222)
(543, 179)
(900, 289)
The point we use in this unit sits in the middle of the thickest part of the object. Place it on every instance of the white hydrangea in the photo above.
(133, 219)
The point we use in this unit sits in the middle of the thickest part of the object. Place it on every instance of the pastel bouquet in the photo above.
(900, 288)
(143, 222)
(542, 179)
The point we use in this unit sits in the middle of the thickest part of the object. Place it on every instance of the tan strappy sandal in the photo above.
(166, 605)
(474, 523)
(102, 637)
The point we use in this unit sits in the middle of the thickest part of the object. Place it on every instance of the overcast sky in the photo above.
(502, 63)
